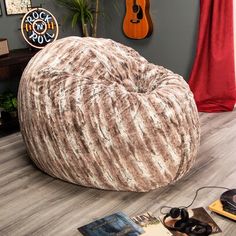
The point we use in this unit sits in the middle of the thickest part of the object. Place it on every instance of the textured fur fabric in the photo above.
(95, 113)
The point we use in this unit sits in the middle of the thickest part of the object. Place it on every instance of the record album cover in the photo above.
(198, 214)
(117, 224)
(151, 225)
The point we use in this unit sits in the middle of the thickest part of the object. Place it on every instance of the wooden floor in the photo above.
(33, 203)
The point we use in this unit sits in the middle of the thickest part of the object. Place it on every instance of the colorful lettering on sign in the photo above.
(39, 27)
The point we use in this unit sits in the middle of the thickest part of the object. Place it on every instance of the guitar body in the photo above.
(137, 22)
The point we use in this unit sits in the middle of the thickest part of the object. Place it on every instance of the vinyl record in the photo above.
(228, 199)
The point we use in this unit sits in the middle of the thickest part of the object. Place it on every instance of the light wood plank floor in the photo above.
(33, 203)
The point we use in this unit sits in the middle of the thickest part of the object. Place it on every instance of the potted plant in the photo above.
(8, 104)
(85, 13)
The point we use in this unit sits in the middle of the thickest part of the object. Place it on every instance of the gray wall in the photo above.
(172, 43)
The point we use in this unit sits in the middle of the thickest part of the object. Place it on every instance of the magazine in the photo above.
(151, 225)
(117, 224)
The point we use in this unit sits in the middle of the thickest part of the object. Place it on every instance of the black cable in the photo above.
(196, 194)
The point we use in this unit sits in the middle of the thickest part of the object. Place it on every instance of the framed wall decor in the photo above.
(4, 50)
(15, 7)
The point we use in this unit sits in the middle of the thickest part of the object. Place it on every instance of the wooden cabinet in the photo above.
(11, 67)
(13, 64)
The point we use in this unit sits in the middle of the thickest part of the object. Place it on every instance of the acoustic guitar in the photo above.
(137, 22)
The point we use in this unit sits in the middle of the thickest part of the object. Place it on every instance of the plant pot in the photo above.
(13, 114)
(9, 122)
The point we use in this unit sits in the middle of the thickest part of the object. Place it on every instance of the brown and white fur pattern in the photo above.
(95, 113)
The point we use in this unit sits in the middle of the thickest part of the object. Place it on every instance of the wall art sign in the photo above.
(4, 50)
(39, 27)
(14, 7)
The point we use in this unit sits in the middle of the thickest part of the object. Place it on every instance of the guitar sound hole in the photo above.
(136, 21)
(140, 14)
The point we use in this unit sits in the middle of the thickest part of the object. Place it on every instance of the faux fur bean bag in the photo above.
(95, 113)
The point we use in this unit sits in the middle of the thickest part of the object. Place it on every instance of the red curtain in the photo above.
(212, 79)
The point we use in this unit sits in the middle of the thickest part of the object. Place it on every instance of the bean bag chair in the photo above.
(95, 113)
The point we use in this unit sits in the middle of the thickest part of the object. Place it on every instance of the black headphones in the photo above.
(190, 226)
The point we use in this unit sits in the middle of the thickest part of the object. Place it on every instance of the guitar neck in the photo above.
(135, 2)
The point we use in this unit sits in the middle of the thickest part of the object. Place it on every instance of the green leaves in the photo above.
(82, 12)
(8, 101)
(75, 19)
